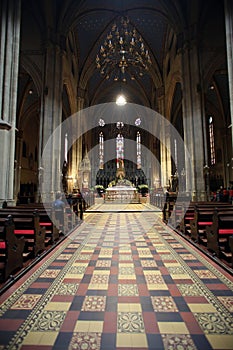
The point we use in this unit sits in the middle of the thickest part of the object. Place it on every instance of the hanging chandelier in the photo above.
(123, 54)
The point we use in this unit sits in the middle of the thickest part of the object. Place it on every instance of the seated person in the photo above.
(58, 203)
(59, 207)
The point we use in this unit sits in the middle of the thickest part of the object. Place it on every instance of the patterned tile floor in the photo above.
(121, 281)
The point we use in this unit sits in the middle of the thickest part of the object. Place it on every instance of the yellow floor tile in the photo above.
(126, 340)
(173, 328)
(180, 277)
(77, 276)
(123, 340)
(61, 306)
(202, 308)
(130, 264)
(98, 286)
(82, 326)
(80, 264)
(101, 272)
(89, 326)
(139, 341)
(221, 341)
(129, 307)
(127, 277)
(152, 272)
(154, 286)
(96, 326)
(40, 338)
(171, 264)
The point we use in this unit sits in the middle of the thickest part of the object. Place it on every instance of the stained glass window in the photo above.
(101, 150)
(211, 136)
(139, 151)
(119, 148)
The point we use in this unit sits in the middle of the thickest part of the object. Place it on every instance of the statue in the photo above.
(120, 173)
(64, 176)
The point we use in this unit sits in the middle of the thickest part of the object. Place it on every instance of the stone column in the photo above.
(18, 163)
(229, 44)
(9, 62)
(193, 122)
(77, 147)
(164, 142)
(51, 117)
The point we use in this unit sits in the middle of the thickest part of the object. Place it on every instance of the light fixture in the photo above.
(101, 122)
(123, 54)
(138, 121)
(121, 100)
(119, 125)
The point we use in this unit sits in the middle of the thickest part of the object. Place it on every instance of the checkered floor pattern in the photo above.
(121, 281)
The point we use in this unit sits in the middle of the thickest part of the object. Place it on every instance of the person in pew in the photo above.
(166, 204)
(4, 205)
(59, 207)
(58, 203)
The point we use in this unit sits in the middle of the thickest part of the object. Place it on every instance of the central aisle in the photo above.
(123, 280)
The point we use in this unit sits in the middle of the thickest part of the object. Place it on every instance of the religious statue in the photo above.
(120, 173)
(64, 176)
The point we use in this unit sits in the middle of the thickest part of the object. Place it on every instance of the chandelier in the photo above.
(123, 54)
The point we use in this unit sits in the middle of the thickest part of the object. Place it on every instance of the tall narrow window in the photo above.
(101, 150)
(119, 148)
(139, 151)
(211, 135)
(175, 153)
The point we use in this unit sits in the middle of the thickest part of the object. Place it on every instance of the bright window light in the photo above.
(121, 100)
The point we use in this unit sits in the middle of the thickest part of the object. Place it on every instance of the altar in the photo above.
(122, 194)
(121, 190)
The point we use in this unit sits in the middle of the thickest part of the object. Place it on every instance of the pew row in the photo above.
(218, 234)
(11, 249)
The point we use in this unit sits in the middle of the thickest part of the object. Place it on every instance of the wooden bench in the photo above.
(27, 225)
(34, 234)
(73, 214)
(203, 217)
(218, 233)
(46, 218)
(11, 249)
(188, 215)
(231, 248)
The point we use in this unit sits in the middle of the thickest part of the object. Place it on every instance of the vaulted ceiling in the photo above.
(161, 23)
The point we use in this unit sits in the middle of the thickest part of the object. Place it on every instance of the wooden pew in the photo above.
(203, 217)
(67, 223)
(11, 249)
(219, 232)
(46, 219)
(189, 211)
(187, 216)
(27, 225)
(178, 214)
(30, 229)
(231, 248)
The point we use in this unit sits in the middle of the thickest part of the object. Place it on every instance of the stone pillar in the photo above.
(18, 163)
(229, 44)
(193, 122)
(9, 62)
(51, 117)
(165, 157)
(77, 148)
